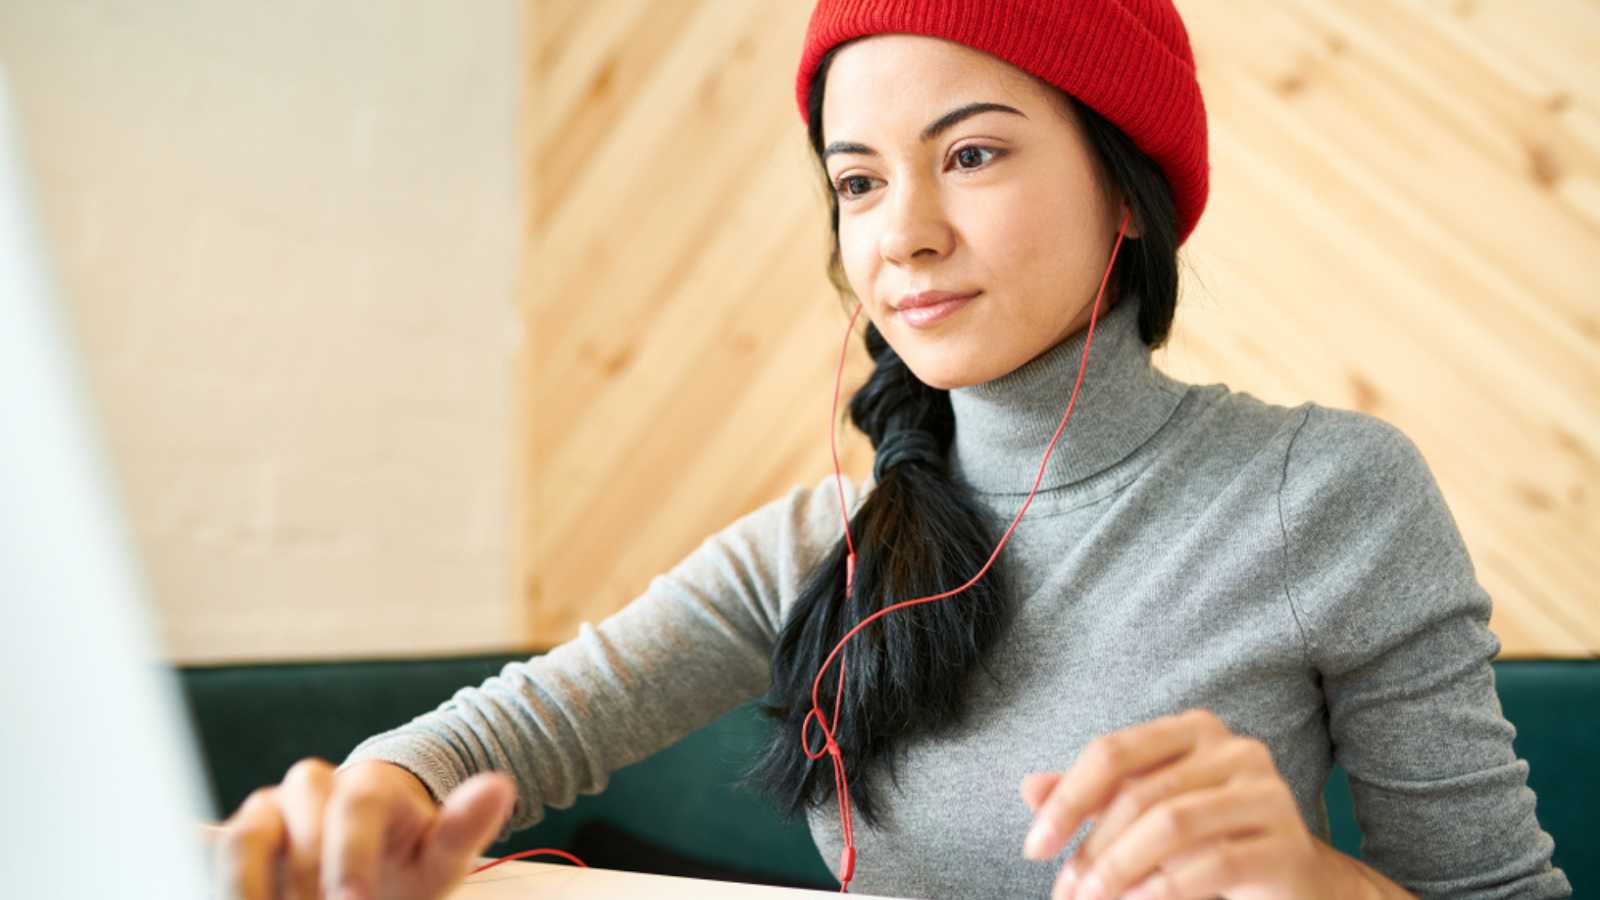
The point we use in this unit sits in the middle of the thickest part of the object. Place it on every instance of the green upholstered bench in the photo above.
(676, 812)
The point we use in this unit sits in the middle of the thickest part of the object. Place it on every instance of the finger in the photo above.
(248, 847)
(1036, 786)
(1214, 869)
(364, 814)
(1205, 767)
(302, 797)
(1093, 777)
(468, 821)
(1179, 825)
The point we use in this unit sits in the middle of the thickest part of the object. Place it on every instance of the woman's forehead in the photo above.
(890, 80)
(885, 61)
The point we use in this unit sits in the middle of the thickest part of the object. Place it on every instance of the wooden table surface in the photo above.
(519, 880)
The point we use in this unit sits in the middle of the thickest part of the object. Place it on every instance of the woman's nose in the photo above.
(915, 225)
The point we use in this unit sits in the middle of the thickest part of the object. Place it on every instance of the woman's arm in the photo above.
(695, 644)
(1360, 881)
(1395, 621)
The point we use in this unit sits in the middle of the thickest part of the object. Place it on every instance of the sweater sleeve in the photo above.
(694, 645)
(1396, 624)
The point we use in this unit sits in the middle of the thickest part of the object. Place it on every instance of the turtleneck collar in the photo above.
(1003, 425)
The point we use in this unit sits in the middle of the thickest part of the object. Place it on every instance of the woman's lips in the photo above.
(926, 316)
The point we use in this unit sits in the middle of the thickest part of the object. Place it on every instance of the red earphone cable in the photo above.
(520, 855)
(847, 857)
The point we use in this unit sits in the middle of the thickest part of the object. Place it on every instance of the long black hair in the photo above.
(919, 532)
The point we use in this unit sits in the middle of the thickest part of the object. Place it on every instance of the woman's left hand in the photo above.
(1184, 810)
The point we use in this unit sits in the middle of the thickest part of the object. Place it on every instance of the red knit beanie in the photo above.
(1128, 60)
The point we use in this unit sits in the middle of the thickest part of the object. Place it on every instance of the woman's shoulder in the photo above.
(1358, 498)
(822, 495)
(1351, 451)
(805, 519)
(1317, 442)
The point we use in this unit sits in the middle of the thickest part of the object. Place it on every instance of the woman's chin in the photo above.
(946, 377)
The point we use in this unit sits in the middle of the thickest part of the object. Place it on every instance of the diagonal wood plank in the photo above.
(1404, 219)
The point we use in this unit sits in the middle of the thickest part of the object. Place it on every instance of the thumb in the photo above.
(468, 821)
(1036, 786)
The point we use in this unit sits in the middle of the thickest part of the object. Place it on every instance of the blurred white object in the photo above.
(97, 763)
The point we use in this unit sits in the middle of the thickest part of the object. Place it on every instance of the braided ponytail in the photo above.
(918, 533)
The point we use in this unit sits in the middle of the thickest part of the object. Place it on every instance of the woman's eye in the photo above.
(967, 158)
(971, 153)
(842, 186)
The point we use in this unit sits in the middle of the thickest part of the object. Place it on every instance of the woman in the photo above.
(1200, 601)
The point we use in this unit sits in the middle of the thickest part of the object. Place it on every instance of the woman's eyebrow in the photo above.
(935, 128)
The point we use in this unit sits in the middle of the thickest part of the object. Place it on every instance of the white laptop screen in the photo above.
(97, 764)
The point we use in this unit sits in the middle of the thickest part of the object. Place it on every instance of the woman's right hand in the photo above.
(371, 832)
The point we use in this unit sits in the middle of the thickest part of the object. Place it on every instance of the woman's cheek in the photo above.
(1005, 230)
(858, 270)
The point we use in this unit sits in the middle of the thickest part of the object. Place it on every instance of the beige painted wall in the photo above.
(288, 234)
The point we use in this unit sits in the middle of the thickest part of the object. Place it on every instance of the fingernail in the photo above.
(1065, 881)
(1033, 846)
(1092, 888)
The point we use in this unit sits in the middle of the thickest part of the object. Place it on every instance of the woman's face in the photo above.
(1005, 204)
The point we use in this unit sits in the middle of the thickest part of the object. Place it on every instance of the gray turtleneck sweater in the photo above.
(1294, 570)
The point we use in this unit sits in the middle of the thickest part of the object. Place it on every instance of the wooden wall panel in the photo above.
(1404, 219)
